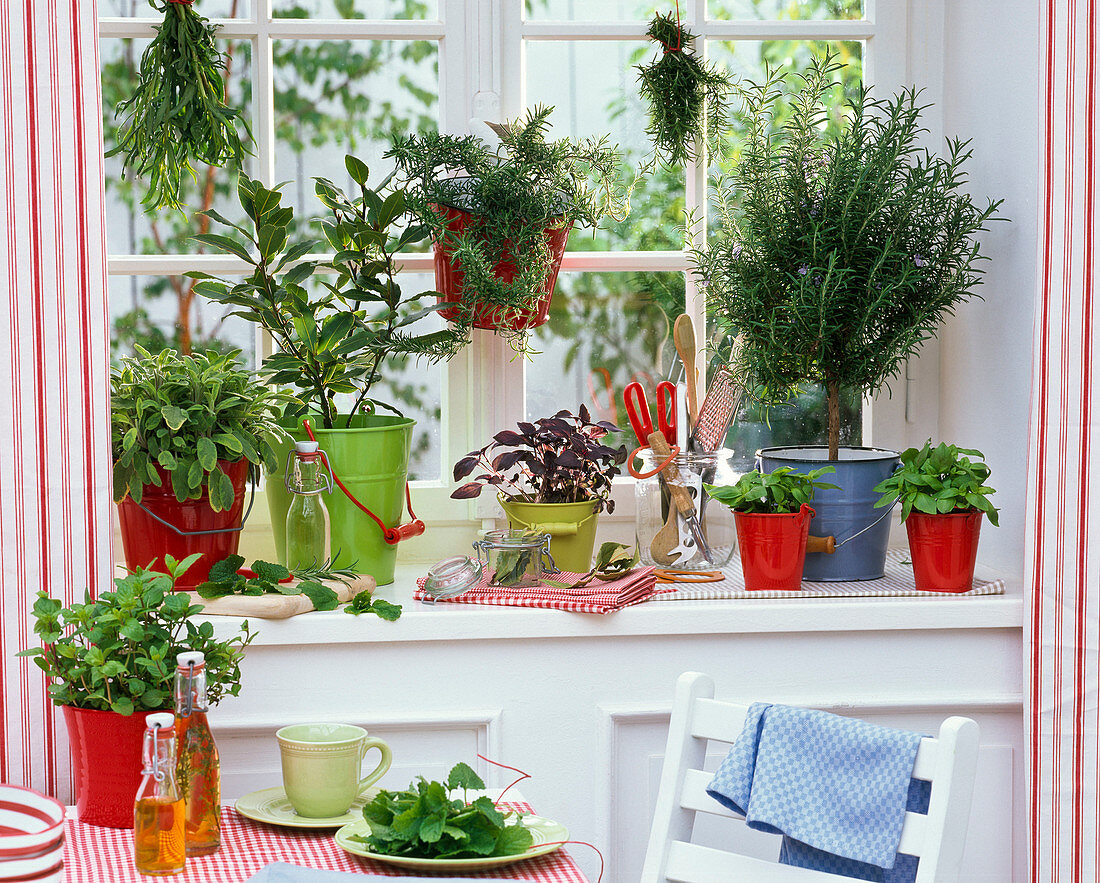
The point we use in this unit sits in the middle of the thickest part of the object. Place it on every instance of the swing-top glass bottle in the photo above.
(159, 839)
(198, 768)
(307, 525)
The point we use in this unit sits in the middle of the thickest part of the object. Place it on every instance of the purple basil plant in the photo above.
(559, 459)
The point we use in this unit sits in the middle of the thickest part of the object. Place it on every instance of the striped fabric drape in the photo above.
(54, 456)
(1063, 631)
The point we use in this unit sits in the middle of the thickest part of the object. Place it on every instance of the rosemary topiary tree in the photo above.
(838, 255)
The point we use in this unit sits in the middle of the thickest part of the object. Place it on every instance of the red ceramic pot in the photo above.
(943, 549)
(106, 755)
(449, 278)
(773, 549)
(145, 540)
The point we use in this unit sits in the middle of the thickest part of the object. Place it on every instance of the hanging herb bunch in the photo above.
(178, 113)
(686, 95)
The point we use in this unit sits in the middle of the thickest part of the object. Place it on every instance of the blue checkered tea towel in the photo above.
(837, 788)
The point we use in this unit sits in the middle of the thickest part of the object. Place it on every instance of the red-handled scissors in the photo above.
(637, 409)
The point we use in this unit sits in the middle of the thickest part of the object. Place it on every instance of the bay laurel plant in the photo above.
(839, 255)
(513, 193)
(559, 459)
(337, 333)
(117, 652)
(185, 414)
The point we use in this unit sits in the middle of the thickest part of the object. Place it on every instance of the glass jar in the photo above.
(197, 768)
(160, 845)
(515, 558)
(664, 539)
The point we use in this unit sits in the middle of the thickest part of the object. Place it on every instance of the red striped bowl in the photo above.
(32, 832)
(50, 875)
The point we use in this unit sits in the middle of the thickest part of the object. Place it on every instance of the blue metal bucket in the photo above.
(847, 513)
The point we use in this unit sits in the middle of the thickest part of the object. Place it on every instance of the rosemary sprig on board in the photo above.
(327, 570)
(686, 95)
(178, 113)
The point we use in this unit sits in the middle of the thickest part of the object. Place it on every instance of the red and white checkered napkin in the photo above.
(106, 855)
(597, 597)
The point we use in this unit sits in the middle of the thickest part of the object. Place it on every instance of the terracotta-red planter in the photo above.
(773, 549)
(943, 549)
(449, 278)
(106, 755)
(146, 540)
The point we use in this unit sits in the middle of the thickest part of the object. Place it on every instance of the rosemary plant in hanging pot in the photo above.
(178, 114)
(841, 254)
(686, 95)
(500, 218)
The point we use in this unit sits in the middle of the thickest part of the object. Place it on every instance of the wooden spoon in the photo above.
(666, 539)
(683, 335)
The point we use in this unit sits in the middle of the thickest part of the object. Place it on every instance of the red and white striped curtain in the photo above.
(54, 418)
(1063, 538)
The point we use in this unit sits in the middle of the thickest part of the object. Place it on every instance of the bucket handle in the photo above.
(555, 528)
(392, 535)
(201, 533)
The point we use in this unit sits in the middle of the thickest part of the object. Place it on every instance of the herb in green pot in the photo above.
(510, 198)
(177, 114)
(117, 652)
(939, 480)
(782, 491)
(184, 414)
(338, 337)
(685, 93)
(423, 821)
(839, 254)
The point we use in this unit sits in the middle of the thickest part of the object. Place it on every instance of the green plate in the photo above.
(271, 805)
(546, 834)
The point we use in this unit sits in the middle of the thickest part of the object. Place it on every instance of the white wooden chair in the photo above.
(938, 838)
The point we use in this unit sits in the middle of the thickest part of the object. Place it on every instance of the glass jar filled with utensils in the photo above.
(677, 524)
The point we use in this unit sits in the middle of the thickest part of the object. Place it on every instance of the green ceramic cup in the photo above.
(321, 766)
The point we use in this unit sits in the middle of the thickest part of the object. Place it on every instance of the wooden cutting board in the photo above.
(279, 606)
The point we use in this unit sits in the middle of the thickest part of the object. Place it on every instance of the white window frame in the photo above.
(482, 76)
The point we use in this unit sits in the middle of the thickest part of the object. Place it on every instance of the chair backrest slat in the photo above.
(948, 761)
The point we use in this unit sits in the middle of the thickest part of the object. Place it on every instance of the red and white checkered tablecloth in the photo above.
(106, 855)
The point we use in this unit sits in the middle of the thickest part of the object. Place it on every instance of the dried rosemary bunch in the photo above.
(178, 113)
(686, 95)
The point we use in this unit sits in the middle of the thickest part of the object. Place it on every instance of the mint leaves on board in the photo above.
(425, 822)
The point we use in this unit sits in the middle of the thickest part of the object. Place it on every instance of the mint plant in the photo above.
(780, 492)
(425, 822)
(939, 480)
(184, 414)
(118, 651)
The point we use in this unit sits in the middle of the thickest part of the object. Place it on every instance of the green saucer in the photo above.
(271, 805)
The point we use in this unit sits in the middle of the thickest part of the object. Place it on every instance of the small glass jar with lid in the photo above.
(515, 558)
(664, 540)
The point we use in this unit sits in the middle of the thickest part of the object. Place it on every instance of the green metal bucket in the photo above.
(371, 457)
(572, 529)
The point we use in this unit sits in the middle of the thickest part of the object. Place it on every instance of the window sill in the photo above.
(474, 622)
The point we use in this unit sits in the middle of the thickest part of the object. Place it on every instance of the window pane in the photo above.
(376, 9)
(804, 419)
(132, 230)
(334, 97)
(795, 10)
(593, 88)
(163, 312)
(591, 10)
(142, 9)
(605, 330)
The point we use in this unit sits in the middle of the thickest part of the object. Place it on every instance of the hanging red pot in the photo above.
(161, 524)
(106, 755)
(943, 549)
(449, 278)
(773, 549)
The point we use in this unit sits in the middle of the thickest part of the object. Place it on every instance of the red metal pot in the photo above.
(106, 755)
(449, 278)
(773, 549)
(145, 540)
(943, 549)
